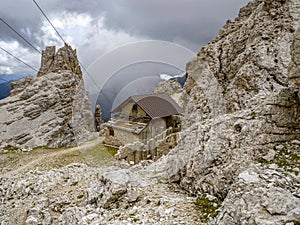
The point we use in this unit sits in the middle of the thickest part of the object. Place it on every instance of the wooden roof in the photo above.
(155, 105)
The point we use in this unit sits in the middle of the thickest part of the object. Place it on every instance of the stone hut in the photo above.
(141, 118)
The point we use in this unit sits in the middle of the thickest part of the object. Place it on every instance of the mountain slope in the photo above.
(5, 80)
(4, 90)
(243, 115)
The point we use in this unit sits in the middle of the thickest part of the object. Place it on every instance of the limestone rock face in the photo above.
(49, 110)
(242, 107)
(262, 195)
(111, 187)
(64, 59)
(174, 90)
(98, 118)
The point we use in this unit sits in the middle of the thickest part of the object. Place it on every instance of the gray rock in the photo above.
(31, 221)
(174, 90)
(243, 108)
(268, 200)
(111, 187)
(241, 102)
(161, 211)
(49, 110)
(296, 142)
(270, 156)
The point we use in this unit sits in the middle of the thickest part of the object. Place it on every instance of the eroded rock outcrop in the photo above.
(262, 195)
(51, 109)
(242, 108)
(174, 90)
(55, 62)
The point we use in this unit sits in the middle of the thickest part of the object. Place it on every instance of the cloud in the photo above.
(95, 27)
(88, 35)
(5, 70)
(10, 65)
(194, 21)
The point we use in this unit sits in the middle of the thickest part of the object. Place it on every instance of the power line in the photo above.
(3, 21)
(92, 79)
(48, 20)
(19, 59)
(41, 10)
(4, 79)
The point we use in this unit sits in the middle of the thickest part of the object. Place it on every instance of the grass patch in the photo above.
(42, 147)
(111, 150)
(98, 155)
(51, 148)
(80, 196)
(253, 115)
(285, 158)
(75, 183)
(134, 219)
(11, 148)
(46, 158)
(207, 208)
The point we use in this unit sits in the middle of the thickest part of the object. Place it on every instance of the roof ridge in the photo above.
(155, 105)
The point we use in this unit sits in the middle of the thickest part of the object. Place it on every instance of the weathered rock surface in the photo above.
(51, 109)
(174, 90)
(78, 194)
(262, 195)
(111, 187)
(55, 62)
(243, 108)
(98, 119)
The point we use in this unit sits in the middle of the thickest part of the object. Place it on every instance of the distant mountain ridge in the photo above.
(5, 80)
(181, 78)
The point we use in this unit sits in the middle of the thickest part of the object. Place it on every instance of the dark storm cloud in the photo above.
(194, 21)
(191, 23)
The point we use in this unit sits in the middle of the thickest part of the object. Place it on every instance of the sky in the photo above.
(95, 27)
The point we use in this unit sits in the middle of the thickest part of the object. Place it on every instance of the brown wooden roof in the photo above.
(155, 105)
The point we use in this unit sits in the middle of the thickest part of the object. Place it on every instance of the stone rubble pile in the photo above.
(78, 194)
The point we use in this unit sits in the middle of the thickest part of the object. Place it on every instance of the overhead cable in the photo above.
(14, 30)
(42, 11)
(18, 59)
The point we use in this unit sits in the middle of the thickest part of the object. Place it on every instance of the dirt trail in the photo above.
(39, 158)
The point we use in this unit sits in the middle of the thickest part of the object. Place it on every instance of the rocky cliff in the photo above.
(51, 109)
(244, 111)
(239, 150)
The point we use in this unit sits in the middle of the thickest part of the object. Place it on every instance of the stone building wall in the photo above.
(125, 137)
(127, 110)
(153, 149)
